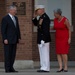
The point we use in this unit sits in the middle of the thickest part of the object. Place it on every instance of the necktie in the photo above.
(14, 20)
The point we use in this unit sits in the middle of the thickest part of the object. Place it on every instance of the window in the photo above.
(50, 5)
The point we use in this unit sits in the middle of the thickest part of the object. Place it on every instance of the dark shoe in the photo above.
(61, 70)
(65, 70)
(42, 71)
(14, 71)
(7, 71)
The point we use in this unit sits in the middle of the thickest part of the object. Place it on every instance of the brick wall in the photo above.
(72, 49)
(2, 13)
(24, 49)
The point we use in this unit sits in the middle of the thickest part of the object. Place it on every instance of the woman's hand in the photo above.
(69, 29)
(69, 40)
(52, 28)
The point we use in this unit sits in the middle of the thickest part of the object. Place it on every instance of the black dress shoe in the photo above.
(13, 71)
(42, 71)
(61, 70)
(7, 71)
(65, 70)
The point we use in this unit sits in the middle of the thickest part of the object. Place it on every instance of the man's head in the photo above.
(39, 9)
(12, 10)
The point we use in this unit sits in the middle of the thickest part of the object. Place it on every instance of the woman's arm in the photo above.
(69, 28)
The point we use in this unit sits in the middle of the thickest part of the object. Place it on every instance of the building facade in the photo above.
(27, 50)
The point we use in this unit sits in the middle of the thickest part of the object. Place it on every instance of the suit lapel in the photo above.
(11, 20)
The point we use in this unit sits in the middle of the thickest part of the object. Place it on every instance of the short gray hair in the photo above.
(59, 11)
(11, 7)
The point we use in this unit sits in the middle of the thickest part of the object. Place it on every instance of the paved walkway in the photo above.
(33, 72)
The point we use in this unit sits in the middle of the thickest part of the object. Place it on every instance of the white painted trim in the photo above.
(35, 29)
(1, 64)
(23, 64)
(55, 64)
(29, 64)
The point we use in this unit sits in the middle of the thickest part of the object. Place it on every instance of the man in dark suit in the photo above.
(11, 36)
(43, 37)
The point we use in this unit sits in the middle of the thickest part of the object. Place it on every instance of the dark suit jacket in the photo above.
(43, 32)
(9, 31)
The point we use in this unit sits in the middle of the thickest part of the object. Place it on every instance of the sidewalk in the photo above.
(71, 71)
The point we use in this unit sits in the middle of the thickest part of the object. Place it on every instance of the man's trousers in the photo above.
(44, 56)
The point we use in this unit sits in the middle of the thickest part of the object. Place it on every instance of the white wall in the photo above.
(50, 5)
